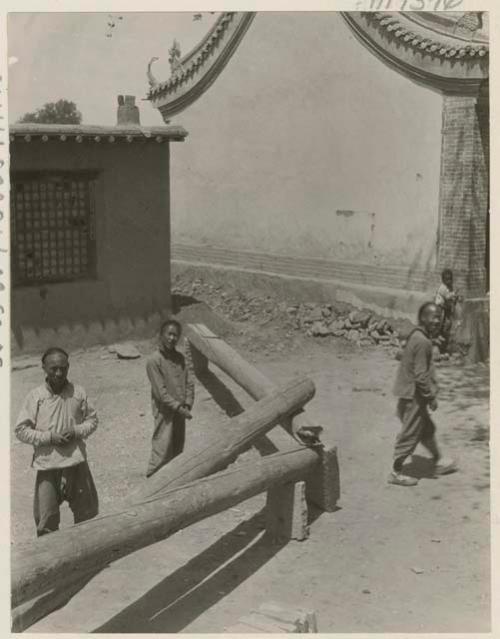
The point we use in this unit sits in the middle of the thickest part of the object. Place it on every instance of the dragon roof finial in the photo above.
(151, 79)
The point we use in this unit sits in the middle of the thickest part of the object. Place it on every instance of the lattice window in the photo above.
(52, 227)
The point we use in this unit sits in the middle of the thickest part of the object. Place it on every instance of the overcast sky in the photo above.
(68, 55)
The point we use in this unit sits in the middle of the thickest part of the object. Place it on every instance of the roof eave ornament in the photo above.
(174, 59)
(469, 24)
(151, 79)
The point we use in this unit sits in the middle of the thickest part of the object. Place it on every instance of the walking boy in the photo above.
(55, 419)
(416, 389)
(172, 395)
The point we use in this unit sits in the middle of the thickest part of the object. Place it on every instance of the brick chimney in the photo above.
(128, 113)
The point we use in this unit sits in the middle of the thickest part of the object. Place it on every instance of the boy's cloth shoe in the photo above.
(445, 466)
(401, 480)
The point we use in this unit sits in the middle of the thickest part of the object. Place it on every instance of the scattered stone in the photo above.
(339, 332)
(319, 329)
(127, 351)
(360, 317)
(366, 591)
(353, 335)
(382, 326)
(316, 315)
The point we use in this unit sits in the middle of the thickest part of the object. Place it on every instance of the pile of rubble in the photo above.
(361, 327)
(315, 319)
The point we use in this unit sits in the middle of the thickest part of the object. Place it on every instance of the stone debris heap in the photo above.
(315, 319)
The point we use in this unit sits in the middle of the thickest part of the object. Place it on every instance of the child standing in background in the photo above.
(446, 300)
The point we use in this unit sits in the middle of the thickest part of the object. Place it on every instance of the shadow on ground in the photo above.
(203, 581)
(420, 468)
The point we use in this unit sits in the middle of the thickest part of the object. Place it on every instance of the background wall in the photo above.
(132, 288)
(304, 122)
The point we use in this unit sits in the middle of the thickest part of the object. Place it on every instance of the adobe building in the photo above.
(90, 231)
(345, 151)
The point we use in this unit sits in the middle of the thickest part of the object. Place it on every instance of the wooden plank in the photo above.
(58, 558)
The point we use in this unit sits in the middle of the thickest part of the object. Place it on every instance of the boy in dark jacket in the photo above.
(416, 389)
(172, 395)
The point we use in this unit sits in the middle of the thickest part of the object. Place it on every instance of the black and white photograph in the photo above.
(249, 316)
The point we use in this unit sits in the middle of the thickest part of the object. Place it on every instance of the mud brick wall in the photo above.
(464, 192)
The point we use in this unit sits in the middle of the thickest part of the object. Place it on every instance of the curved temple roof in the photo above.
(200, 68)
(447, 51)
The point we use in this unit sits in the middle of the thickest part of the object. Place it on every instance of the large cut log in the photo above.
(222, 444)
(58, 558)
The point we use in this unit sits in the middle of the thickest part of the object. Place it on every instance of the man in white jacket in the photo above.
(55, 419)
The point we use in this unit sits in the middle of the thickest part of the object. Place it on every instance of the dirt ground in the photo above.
(390, 559)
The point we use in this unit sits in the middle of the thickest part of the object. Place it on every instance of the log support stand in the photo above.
(286, 513)
(323, 486)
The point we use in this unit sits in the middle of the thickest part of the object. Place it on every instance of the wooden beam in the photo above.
(323, 490)
(58, 558)
(255, 383)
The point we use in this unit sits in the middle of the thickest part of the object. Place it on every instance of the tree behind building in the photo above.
(60, 112)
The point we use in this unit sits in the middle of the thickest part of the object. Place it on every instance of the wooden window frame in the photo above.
(50, 249)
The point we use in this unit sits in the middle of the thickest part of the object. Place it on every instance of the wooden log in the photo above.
(324, 490)
(222, 444)
(255, 383)
(58, 558)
